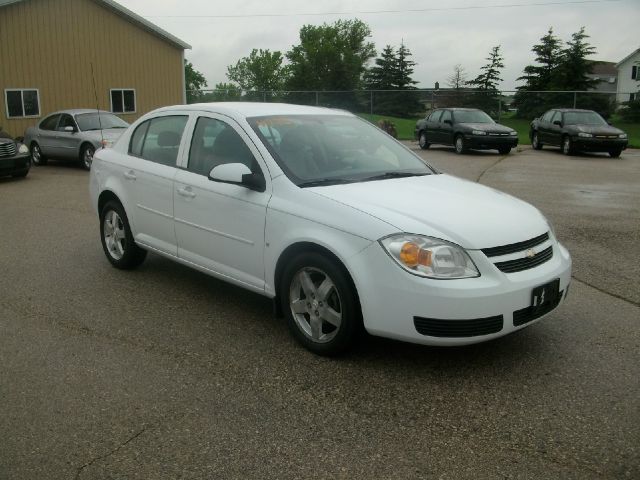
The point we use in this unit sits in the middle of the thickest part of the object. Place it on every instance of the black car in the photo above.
(575, 130)
(15, 159)
(464, 128)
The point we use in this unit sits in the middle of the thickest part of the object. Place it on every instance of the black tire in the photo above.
(535, 141)
(459, 144)
(37, 157)
(131, 255)
(341, 298)
(504, 150)
(615, 153)
(86, 156)
(566, 145)
(422, 140)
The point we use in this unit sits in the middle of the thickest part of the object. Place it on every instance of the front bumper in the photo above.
(489, 142)
(599, 144)
(15, 164)
(397, 304)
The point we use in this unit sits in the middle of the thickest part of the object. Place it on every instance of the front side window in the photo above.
(330, 149)
(123, 100)
(446, 115)
(66, 121)
(50, 122)
(22, 102)
(214, 143)
(435, 115)
(557, 116)
(547, 116)
(158, 139)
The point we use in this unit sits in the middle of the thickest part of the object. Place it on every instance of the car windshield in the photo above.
(583, 118)
(471, 116)
(317, 150)
(90, 121)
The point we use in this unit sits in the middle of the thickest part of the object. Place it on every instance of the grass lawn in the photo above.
(405, 127)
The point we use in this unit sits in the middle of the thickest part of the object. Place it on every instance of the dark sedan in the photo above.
(576, 130)
(15, 159)
(464, 128)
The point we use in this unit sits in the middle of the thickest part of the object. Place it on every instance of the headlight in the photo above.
(429, 257)
(478, 132)
(622, 135)
(513, 133)
(585, 134)
(106, 143)
(22, 148)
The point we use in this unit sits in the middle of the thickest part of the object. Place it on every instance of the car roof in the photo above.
(254, 109)
(565, 110)
(77, 111)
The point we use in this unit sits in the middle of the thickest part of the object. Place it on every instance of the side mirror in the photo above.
(558, 122)
(449, 122)
(69, 129)
(238, 174)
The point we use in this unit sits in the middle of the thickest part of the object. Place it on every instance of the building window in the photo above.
(632, 97)
(123, 100)
(22, 102)
(635, 72)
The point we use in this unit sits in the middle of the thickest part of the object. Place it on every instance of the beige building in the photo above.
(49, 47)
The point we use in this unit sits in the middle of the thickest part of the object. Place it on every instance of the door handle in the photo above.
(130, 175)
(186, 192)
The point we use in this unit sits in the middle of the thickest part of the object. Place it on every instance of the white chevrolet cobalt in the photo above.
(332, 218)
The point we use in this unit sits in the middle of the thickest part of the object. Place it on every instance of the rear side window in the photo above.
(158, 140)
(215, 143)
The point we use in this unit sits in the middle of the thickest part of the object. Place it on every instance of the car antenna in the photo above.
(95, 94)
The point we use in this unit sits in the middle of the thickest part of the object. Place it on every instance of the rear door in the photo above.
(45, 134)
(153, 152)
(543, 126)
(554, 133)
(431, 126)
(220, 226)
(445, 133)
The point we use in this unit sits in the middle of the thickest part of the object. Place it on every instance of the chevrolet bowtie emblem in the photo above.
(530, 253)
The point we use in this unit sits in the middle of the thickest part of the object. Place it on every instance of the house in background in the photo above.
(629, 77)
(607, 75)
(49, 47)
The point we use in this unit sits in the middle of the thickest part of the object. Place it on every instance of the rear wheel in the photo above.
(117, 239)
(460, 144)
(320, 304)
(615, 153)
(504, 150)
(567, 145)
(422, 140)
(37, 157)
(86, 156)
(535, 141)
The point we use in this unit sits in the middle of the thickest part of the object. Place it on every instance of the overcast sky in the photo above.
(438, 39)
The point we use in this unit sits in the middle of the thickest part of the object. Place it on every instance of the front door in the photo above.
(220, 226)
(66, 144)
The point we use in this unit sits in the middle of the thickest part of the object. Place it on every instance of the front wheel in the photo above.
(535, 141)
(320, 304)
(117, 239)
(86, 156)
(567, 146)
(615, 153)
(504, 150)
(37, 157)
(460, 145)
(422, 141)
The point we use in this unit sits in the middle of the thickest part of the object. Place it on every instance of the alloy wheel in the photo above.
(114, 234)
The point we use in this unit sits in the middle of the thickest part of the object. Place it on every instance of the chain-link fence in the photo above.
(415, 103)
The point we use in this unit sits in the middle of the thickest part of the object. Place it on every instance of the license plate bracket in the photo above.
(545, 295)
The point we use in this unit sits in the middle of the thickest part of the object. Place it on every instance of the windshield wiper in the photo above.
(325, 181)
(386, 175)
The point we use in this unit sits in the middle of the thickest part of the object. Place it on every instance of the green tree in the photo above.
(382, 75)
(223, 92)
(194, 82)
(573, 67)
(262, 71)
(486, 83)
(331, 57)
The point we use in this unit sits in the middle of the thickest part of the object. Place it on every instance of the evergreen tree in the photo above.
(486, 83)
(574, 67)
(381, 75)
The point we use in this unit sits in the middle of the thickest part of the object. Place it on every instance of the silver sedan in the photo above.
(73, 134)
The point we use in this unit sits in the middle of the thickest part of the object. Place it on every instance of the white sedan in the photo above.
(333, 219)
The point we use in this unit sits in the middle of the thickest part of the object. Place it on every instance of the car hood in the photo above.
(443, 206)
(596, 129)
(487, 127)
(110, 134)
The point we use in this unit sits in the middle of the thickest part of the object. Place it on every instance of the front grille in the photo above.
(526, 315)
(8, 149)
(458, 328)
(525, 263)
(515, 247)
(499, 134)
